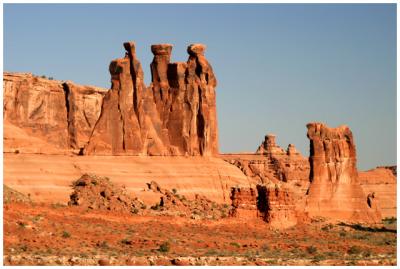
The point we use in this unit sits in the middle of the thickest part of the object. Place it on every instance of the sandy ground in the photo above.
(59, 235)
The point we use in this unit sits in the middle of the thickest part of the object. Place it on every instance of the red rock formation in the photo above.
(83, 105)
(383, 183)
(335, 191)
(273, 203)
(93, 192)
(176, 115)
(272, 164)
(47, 116)
(277, 206)
(37, 106)
(244, 202)
(287, 165)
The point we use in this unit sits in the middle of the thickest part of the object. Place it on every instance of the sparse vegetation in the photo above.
(235, 244)
(354, 250)
(126, 241)
(156, 207)
(311, 250)
(164, 247)
(390, 220)
(66, 234)
(22, 225)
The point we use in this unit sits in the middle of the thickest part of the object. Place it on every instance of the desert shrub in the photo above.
(174, 191)
(319, 257)
(66, 234)
(164, 247)
(156, 207)
(126, 241)
(24, 248)
(342, 233)
(311, 249)
(354, 250)
(211, 252)
(390, 220)
(235, 244)
(265, 247)
(143, 206)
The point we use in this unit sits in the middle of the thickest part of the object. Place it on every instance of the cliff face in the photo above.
(272, 203)
(382, 183)
(335, 191)
(175, 115)
(47, 116)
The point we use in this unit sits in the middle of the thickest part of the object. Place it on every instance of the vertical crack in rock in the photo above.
(136, 73)
(71, 142)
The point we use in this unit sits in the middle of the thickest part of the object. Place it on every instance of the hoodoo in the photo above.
(176, 115)
(335, 191)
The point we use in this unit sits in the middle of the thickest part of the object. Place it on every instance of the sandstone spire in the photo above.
(175, 115)
(335, 191)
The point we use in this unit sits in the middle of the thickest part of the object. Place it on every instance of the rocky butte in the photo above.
(335, 190)
(167, 132)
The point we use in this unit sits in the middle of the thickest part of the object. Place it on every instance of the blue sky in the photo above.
(279, 66)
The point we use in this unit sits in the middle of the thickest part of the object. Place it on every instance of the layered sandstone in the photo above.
(175, 115)
(244, 202)
(48, 116)
(288, 164)
(47, 178)
(382, 183)
(272, 164)
(37, 107)
(277, 206)
(273, 203)
(335, 191)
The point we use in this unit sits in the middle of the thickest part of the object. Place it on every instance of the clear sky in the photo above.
(278, 66)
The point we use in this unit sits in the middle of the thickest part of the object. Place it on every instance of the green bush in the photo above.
(126, 241)
(164, 247)
(354, 250)
(390, 220)
(66, 234)
(235, 244)
(311, 249)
